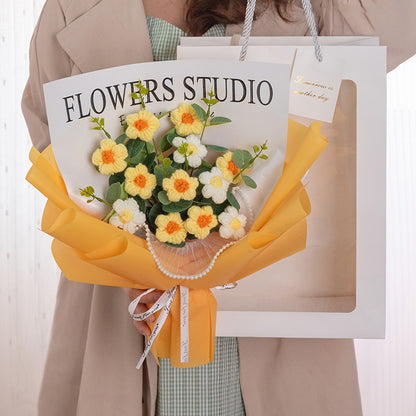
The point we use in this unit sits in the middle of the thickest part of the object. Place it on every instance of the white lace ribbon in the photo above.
(165, 303)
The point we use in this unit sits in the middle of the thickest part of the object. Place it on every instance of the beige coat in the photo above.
(90, 368)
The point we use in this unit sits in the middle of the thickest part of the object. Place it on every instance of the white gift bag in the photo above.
(335, 288)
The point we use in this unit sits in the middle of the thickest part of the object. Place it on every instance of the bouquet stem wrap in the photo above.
(91, 251)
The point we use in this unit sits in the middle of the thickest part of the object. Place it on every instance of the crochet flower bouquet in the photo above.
(178, 217)
(188, 209)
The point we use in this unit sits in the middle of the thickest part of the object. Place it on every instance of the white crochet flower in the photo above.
(233, 224)
(215, 185)
(195, 152)
(128, 215)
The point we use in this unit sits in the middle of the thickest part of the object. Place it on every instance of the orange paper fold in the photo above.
(91, 251)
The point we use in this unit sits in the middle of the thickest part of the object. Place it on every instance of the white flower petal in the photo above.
(115, 220)
(178, 158)
(202, 151)
(225, 218)
(177, 141)
(139, 218)
(205, 177)
(194, 160)
(208, 191)
(231, 210)
(131, 227)
(219, 196)
(240, 233)
(132, 205)
(217, 172)
(226, 232)
(193, 138)
(119, 206)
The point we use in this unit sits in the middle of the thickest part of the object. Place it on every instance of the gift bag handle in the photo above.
(248, 22)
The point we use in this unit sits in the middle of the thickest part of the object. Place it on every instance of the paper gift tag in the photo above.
(314, 85)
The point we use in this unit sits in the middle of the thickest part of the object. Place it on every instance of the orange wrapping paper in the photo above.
(91, 251)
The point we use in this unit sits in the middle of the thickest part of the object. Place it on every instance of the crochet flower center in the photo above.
(125, 216)
(141, 124)
(204, 220)
(172, 227)
(181, 185)
(216, 182)
(140, 181)
(187, 118)
(232, 167)
(235, 224)
(108, 156)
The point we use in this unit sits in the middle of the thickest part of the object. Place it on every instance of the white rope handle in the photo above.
(248, 22)
(307, 7)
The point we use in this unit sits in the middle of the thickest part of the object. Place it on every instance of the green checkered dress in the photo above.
(212, 389)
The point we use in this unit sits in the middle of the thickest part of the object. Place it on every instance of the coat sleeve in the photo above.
(47, 62)
(393, 21)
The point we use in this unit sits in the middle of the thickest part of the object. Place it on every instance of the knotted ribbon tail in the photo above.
(164, 303)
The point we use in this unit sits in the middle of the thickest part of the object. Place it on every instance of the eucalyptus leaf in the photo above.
(180, 206)
(116, 177)
(149, 160)
(141, 203)
(176, 245)
(154, 212)
(134, 147)
(232, 200)
(249, 182)
(216, 148)
(162, 196)
(219, 120)
(121, 139)
(241, 158)
(200, 112)
(114, 192)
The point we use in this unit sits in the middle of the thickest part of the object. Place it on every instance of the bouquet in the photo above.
(170, 191)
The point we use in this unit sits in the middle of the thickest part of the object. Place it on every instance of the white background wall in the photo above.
(28, 276)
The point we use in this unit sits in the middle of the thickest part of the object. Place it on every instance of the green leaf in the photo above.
(232, 200)
(216, 148)
(249, 182)
(166, 142)
(136, 159)
(180, 206)
(219, 120)
(162, 196)
(264, 157)
(96, 128)
(114, 193)
(121, 139)
(124, 195)
(149, 160)
(141, 203)
(200, 112)
(102, 122)
(116, 177)
(158, 172)
(205, 164)
(176, 245)
(134, 147)
(256, 148)
(154, 212)
(241, 158)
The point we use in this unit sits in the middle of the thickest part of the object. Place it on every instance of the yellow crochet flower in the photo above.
(186, 120)
(109, 157)
(170, 228)
(228, 168)
(180, 186)
(200, 222)
(142, 125)
(139, 181)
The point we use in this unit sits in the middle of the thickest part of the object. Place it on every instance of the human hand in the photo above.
(152, 297)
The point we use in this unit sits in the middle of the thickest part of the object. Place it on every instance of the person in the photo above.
(90, 367)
